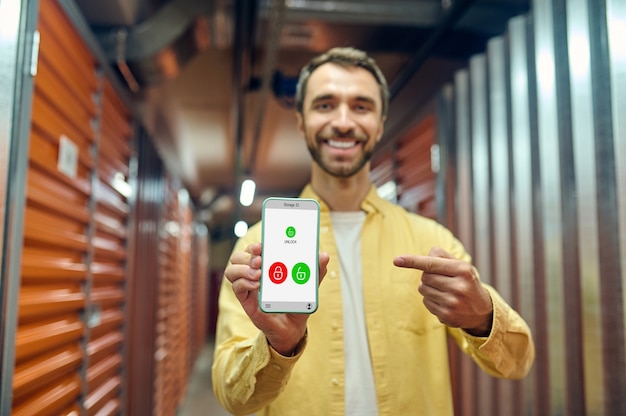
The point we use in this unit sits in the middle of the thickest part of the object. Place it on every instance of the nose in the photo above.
(342, 119)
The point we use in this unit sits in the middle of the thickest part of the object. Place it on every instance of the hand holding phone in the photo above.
(290, 275)
(283, 330)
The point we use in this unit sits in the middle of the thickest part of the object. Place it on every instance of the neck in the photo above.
(341, 194)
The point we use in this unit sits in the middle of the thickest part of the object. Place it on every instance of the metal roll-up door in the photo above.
(383, 175)
(166, 320)
(414, 169)
(173, 317)
(183, 299)
(199, 288)
(48, 352)
(107, 294)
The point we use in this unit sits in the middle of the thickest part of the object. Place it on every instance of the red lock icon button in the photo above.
(278, 272)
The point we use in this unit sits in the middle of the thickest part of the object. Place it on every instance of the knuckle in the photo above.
(435, 251)
(467, 271)
(453, 304)
(474, 273)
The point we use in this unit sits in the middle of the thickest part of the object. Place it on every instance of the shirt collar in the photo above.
(371, 204)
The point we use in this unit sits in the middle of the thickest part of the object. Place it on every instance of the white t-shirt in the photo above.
(360, 390)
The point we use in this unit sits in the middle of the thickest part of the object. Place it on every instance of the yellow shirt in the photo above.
(408, 345)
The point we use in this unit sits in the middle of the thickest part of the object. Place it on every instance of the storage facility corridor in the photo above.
(199, 399)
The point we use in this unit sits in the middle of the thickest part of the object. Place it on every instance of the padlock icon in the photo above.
(300, 275)
(277, 272)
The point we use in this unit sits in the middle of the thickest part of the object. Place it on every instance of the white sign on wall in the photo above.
(68, 157)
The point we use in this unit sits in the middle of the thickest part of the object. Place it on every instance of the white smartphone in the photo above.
(290, 252)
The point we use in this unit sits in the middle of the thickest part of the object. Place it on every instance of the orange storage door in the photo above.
(173, 332)
(49, 353)
(415, 177)
(199, 289)
(107, 290)
(408, 165)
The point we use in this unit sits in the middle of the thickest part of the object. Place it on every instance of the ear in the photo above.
(300, 122)
(381, 129)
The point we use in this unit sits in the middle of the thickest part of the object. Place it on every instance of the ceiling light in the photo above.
(241, 228)
(247, 192)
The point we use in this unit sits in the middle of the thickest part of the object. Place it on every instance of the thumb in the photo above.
(324, 258)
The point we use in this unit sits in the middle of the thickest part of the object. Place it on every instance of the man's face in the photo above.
(341, 118)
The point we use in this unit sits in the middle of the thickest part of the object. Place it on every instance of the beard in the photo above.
(343, 170)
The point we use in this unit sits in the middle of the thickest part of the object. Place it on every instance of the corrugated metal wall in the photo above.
(143, 288)
(110, 240)
(407, 166)
(18, 21)
(533, 142)
(72, 297)
(200, 282)
(49, 351)
(414, 173)
(172, 346)
(167, 310)
(74, 282)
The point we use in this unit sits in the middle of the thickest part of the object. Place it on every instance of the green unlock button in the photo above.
(301, 273)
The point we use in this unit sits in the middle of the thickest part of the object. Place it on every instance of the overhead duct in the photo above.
(158, 47)
(405, 13)
(276, 22)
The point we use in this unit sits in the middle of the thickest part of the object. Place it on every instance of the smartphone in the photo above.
(290, 252)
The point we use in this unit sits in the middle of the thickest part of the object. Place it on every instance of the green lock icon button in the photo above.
(301, 273)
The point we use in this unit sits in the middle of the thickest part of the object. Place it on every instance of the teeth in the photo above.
(341, 145)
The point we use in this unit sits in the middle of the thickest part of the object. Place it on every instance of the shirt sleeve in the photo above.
(247, 372)
(509, 350)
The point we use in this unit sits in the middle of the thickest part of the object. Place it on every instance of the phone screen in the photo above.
(290, 241)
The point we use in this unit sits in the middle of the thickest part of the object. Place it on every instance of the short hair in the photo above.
(345, 57)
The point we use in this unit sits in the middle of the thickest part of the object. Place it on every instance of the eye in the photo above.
(362, 108)
(322, 106)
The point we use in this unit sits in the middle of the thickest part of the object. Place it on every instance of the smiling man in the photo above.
(396, 284)
(343, 121)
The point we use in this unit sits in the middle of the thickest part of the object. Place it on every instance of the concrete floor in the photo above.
(200, 400)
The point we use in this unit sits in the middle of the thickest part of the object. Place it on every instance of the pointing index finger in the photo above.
(424, 263)
(430, 264)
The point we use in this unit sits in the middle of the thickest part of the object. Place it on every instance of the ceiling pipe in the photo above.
(448, 21)
(387, 12)
(243, 39)
(158, 47)
(159, 31)
(275, 24)
(122, 64)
